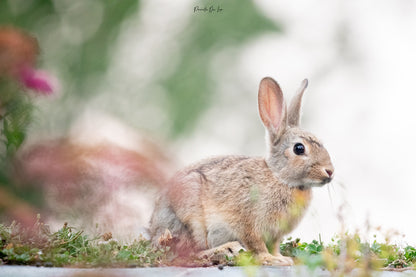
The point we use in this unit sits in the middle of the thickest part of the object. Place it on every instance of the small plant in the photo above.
(410, 254)
(246, 258)
(347, 252)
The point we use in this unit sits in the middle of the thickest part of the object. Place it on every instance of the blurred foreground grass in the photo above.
(69, 247)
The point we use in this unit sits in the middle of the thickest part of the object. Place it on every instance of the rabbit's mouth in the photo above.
(316, 182)
(322, 182)
(326, 180)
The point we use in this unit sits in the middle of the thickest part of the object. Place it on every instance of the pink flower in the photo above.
(37, 80)
(18, 53)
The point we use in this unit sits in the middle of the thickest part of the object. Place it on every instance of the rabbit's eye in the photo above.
(299, 149)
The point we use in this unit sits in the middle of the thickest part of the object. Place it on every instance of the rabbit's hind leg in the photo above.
(229, 249)
(166, 229)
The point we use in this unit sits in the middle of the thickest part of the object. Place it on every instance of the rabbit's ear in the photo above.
(272, 107)
(295, 105)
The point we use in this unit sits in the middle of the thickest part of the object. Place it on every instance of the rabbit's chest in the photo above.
(285, 212)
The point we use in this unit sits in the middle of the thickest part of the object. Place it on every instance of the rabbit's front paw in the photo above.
(279, 260)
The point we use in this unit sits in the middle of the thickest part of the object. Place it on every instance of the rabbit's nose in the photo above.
(329, 172)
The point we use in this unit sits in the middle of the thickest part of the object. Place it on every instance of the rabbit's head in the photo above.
(296, 157)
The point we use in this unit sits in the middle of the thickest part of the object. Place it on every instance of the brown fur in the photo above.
(245, 199)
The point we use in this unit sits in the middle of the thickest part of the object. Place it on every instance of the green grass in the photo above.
(70, 247)
(348, 251)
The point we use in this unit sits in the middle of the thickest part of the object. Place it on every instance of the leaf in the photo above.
(124, 255)
(16, 120)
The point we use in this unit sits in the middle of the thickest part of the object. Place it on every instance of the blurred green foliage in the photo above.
(78, 61)
(90, 57)
(189, 89)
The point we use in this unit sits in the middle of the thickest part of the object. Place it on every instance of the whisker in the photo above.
(337, 195)
(330, 196)
(339, 183)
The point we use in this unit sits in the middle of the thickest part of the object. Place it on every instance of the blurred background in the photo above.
(148, 86)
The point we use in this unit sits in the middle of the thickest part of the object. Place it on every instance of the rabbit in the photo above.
(226, 201)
